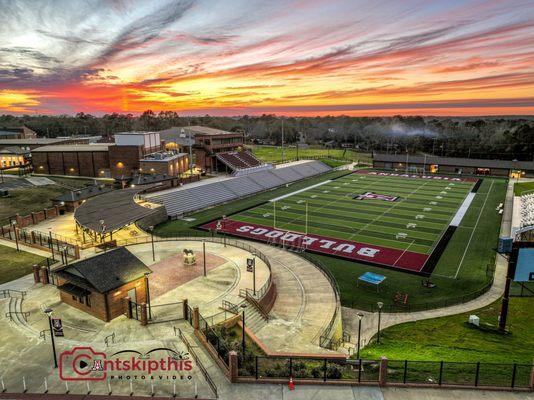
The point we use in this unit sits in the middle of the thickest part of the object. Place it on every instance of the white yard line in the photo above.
(301, 190)
(474, 230)
(310, 209)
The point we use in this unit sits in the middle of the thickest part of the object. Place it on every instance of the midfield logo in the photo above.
(375, 196)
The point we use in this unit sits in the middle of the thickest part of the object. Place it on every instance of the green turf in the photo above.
(333, 211)
(274, 154)
(451, 339)
(457, 277)
(172, 228)
(472, 274)
(523, 187)
(14, 264)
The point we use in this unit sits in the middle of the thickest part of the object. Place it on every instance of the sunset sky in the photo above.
(291, 57)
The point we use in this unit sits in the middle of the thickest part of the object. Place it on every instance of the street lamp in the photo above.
(151, 229)
(14, 223)
(48, 312)
(243, 334)
(360, 316)
(254, 273)
(147, 286)
(380, 305)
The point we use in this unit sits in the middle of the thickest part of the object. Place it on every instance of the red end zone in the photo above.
(385, 256)
(415, 176)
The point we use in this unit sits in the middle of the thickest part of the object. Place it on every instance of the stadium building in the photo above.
(451, 165)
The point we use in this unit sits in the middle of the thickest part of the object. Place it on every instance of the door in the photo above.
(132, 295)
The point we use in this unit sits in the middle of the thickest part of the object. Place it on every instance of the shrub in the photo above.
(333, 372)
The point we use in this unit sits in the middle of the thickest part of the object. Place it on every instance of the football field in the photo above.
(393, 220)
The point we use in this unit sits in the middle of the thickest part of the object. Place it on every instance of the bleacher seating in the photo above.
(527, 210)
(237, 160)
(184, 200)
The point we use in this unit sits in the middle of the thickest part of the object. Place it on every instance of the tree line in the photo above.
(475, 137)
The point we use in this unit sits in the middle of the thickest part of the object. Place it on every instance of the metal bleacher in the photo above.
(185, 199)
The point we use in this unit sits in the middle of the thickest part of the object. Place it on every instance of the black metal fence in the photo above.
(215, 340)
(405, 372)
(165, 312)
(522, 289)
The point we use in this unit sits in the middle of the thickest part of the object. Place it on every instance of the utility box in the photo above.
(475, 320)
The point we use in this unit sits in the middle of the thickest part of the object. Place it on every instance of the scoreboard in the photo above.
(524, 268)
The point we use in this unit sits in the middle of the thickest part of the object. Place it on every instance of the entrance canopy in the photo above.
(111, 211)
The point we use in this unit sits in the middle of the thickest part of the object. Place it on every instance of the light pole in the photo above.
(14, 223)
(204, 255)
(254, 273)
(243, 334)
(48, 312)
(360, 316)
(148, 295)
(380, 305)
(151, 228)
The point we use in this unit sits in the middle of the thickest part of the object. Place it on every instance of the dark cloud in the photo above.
(29, 53)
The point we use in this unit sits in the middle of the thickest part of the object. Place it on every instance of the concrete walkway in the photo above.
(304, 305)
(370, 320)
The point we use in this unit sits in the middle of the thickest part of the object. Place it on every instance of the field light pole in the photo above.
(14, 223)
(306, 228)
(243, 333)
(274, 214)
(380, 305)
(283, 154)
(48, 312)
(360, 316)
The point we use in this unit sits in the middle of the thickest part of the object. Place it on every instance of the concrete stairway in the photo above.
(253, 319)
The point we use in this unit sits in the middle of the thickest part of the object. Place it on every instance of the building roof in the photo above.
(148, 179)
(196, 130)
(72, 147)
(163, 157)
(84, 193)
(116, 208)
(35, 141)
(14, 150)
(104, 272)
(453, 161)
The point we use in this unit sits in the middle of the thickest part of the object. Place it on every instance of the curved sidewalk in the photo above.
(304, 305)
(370, 320)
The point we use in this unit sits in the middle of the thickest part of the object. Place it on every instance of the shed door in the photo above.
(132, 295)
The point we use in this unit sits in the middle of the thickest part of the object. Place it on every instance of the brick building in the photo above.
(74, 160)
(166, 163)
(21, 132)
(99, 285)
(207, 143)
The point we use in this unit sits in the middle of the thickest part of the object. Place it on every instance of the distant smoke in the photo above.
(397, 129)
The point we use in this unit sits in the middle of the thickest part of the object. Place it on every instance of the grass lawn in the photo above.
(25, 200)
(451, 339)
(521, 187)
(15, 264)
(274, 154)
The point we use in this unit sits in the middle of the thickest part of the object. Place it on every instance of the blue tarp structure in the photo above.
(372, 278)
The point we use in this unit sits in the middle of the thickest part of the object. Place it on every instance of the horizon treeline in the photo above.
(475, 137)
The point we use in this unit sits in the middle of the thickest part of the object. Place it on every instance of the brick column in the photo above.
(196, 318)
(185, 309)
(36, 277)
(383, 372)
(57, 210)
(144, 316)
(44, 276)
(233, 366)
(128, 307)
